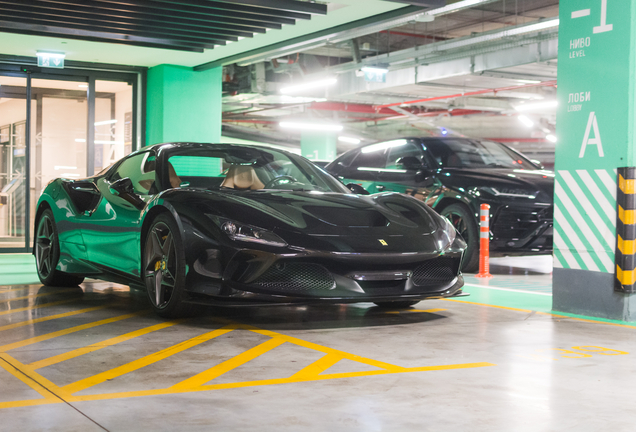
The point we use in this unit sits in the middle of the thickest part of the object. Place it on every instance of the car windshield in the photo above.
(247, 168)
(463, 153)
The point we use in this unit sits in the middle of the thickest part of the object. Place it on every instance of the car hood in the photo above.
(539, 183)
(331, 221)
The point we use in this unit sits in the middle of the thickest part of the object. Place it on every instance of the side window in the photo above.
(140, 169)
(342, 164)
(399, 152)
(374, 157)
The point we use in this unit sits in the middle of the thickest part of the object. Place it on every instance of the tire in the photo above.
(163, 268)
(397, 304)
(466, 225)
(47, 254)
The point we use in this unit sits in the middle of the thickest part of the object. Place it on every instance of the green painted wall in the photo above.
(183, 105)
(317, 145)
(595, 131)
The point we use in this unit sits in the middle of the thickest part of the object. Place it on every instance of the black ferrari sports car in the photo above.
(235, 225)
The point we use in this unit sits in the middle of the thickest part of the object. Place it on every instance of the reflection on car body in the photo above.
(235, 225)
(454, 176)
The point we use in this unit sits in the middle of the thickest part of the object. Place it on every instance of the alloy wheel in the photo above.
(161, 264)
(45, 237)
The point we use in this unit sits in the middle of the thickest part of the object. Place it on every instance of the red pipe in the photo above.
(437, 38)
(473, 93)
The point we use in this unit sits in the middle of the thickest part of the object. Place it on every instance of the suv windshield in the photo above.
(463, 153)
(247, 168)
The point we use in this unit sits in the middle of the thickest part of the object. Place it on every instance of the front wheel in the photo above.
(465, 223)
(164, 268)
(47, 253)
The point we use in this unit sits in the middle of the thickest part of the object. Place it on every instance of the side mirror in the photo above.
(124, 189)
(409, 162)
(357, 189)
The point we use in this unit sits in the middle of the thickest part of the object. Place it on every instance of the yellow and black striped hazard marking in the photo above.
(51, 393)
(625, 280)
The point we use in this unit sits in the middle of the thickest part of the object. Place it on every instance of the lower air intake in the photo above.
(296, 277)
(436, 271)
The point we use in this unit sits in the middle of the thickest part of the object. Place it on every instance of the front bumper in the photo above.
(305, 277)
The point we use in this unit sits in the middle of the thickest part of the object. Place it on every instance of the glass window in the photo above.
(113, 122)
(371, 159)
(461, 153)
(247, 168)
(140, 169)
(397, 153)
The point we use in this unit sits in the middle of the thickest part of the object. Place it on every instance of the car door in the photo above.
(112, 231)
(408, 171)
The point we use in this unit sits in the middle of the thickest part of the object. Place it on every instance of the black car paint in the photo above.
(221, 271)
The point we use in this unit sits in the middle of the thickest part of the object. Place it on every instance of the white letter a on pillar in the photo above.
(591, 123)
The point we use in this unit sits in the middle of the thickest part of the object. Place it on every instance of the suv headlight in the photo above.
(238, 231)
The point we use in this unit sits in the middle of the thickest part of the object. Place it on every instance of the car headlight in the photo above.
(238, 231)
(513, 193)
(451, 231)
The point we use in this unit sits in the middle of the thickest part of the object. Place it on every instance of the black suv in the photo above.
(454, 176)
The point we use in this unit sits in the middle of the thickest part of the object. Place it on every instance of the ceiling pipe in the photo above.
(472, 93)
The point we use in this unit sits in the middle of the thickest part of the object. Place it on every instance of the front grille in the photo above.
(296, 277)
(519, 223)
(436, 271)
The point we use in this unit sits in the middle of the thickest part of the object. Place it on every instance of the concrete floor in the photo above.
(94, 358)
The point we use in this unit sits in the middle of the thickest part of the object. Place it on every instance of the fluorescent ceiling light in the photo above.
(311, 126)
(526, 121)
(456, 7)
(383, 145)
(83, 85)
(50, 54)
(309, 85)
(536, 106)
(349, 140)
(105, 122)
(527, 81)
(374, 69)
(551, 138)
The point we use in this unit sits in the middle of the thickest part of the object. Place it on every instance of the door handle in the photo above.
(380, 187)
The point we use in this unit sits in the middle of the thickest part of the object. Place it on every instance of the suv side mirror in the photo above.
(357, 189)
(409, 162)
(124, 189)
(537, 163)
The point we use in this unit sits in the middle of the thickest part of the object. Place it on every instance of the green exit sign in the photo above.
(51, 60)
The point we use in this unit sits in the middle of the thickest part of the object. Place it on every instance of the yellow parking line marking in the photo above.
(324, 349)
(416, 310)
(37, 295)
(145, 361)
(290, 380)
(64, 332)
(543, 313)
(52, 317)
(43, 305)
(91, 348)
(37, 382)
(317, 367)
(218, 370)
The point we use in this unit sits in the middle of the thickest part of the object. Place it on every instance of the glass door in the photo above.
(13, 167)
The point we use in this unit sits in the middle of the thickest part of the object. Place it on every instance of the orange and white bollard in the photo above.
(484, 241)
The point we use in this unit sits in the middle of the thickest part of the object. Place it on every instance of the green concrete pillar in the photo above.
(595, 130)
(183, 105)
(318, 145)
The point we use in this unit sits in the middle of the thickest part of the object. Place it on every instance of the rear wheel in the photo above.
(47, 253)
(466, 225)
(397, 304)
(164, 268)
